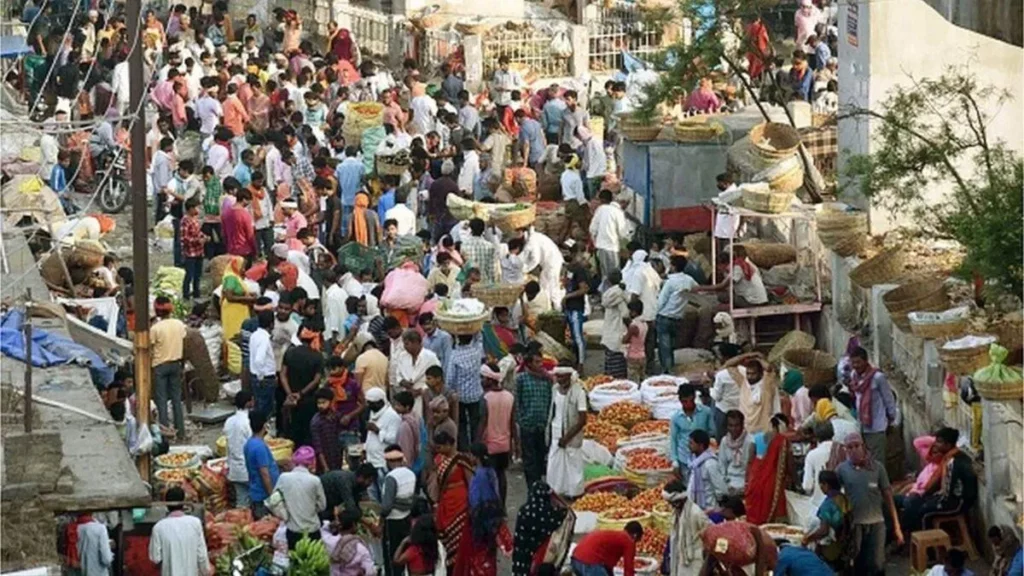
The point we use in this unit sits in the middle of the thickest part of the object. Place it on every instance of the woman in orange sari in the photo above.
(769, 474)
(454, 472)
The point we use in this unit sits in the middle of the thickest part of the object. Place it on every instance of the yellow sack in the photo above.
(31, 186)
(234, 362)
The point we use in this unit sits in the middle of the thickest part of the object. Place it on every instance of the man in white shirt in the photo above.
(238, 431)
(208, 108)
(404, 217)
(411, 367)
(119, 86)
(726, 394)
(470, 169)
(816, 460)
(595, 162)
(424, 115)
(540, 250)
(504, 82)
(334, 306)
(607, 229)
(177, 543)
(262, 363)
(304, 494)
(381, 431)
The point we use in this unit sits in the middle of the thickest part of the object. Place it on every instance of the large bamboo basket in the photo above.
(883, 267)
(964, 361)
(923, 296)
(767, 254)
(817, 367)
(793, 340)
(774, 141)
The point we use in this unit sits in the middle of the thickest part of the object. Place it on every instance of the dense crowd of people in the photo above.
(333, 273)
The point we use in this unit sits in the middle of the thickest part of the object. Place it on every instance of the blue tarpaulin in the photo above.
(51, 349)
(13, 46)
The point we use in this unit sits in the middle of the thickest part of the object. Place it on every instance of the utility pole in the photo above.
(140, 224)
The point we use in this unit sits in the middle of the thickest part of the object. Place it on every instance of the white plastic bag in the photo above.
(652, 388)
(604, 395)
(594, 453)
(561, 46)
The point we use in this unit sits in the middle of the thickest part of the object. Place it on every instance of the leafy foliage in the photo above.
(926, 135)
(717, 37)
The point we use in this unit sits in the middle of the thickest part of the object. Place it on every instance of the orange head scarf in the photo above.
(359, 228)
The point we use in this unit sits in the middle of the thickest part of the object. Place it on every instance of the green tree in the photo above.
(932, 132)
(718, 38)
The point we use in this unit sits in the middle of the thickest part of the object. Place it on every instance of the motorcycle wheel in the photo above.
(114, 196)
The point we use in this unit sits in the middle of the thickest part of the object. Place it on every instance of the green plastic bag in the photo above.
(595, 471)
(997, 371)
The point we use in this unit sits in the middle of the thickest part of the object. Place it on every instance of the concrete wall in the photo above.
(916, 374)
(999, 19)
(881, 43)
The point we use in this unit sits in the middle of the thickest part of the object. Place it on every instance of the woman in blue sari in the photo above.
(486, 518)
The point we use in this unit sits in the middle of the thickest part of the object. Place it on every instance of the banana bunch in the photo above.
(309, 558)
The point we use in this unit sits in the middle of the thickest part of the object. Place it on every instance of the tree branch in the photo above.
(960, 181)
(980, 134)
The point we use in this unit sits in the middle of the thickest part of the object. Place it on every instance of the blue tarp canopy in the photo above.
(51, 348)
(13, 46)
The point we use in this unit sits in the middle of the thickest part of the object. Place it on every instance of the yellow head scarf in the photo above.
(824, 409)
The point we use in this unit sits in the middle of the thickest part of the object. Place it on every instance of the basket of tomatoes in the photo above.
(648, 426)
(648, 470)
(625, 413)
(653, 543)
(599, 502)
(642, 565)
(617, 518)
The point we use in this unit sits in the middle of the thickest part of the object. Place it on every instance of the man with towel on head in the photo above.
(293, 222)
(566, 418)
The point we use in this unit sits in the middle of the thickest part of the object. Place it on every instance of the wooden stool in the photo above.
(959, 533)
(924, 540)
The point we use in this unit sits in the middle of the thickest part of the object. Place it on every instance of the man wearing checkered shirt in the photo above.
(463, 374)
(533, 400)
(479, 253)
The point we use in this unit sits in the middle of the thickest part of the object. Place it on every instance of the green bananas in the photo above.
(309, 558)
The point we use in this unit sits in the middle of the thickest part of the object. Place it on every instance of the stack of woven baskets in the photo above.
(639, 131)
(843, 232)
(882, 268)
(508, 220)
(701, 128)
(964, 360)
(760, 197)
(921, 296)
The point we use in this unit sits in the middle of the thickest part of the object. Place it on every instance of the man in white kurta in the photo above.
(686, 546)
(541, 250)
(177, 543)
(566, 419)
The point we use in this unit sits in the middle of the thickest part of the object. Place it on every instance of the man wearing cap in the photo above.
(866, 484)
(167, 338)
(304, 495)
(566, 418)
(397, 498)
(381, 429)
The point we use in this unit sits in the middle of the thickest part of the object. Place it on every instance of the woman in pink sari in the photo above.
(341, 44)
(704, 99)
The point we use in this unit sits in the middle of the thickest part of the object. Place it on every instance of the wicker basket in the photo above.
(767, 254)
(460, 208)
(1000, 391)
(882, 268)
(498, 295)
(923, 296)
(938, 330)
(964, 361)
(793, 340)
(508, 221)
(461, 326)
(605, 523)
(553, 347)
(817, 367)
(698, 129)
(1010, 334)
(641, 133)
(773, 141)
(849, 246)
(768, 202)
(789, 181)
(385, 169)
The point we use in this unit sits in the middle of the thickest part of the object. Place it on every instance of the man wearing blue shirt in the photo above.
(243, 171)
(821, 52)
(692, 417)
(260, 464)
(531, 136)
(551, 114)
(798, 561)
(350, 178)
(675, 294)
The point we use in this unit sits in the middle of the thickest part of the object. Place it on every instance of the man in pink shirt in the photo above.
(294, 221)
(239, 231)
(235, 115)
(163, 92)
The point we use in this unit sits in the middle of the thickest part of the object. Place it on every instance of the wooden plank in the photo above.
(776, 310)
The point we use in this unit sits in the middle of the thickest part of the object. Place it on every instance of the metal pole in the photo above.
(28, 362)
(140, 224)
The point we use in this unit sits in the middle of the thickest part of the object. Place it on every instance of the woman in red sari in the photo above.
(759, 47)
(454, 472)
(769, 474)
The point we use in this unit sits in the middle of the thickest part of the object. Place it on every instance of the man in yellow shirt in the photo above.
(166, 340)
